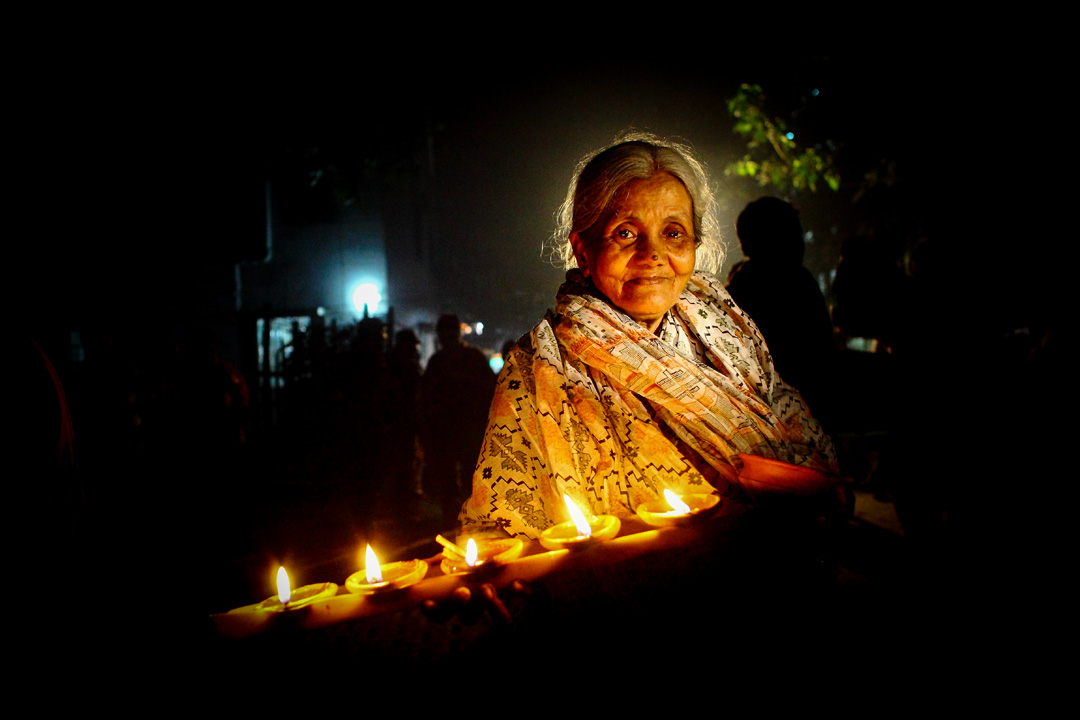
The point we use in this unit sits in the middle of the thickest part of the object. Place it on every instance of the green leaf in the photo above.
(772, 157)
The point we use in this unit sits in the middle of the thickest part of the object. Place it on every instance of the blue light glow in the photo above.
(366, 294)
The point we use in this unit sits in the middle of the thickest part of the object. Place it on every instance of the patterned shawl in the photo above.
(592, 404)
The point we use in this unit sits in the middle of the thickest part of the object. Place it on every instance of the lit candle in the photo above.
(580, 523)
(371, 567)
(483, 554)
(470, 554)
(580, 531)
(377, 577)
(284, 591)
(289, 599)
(677, 505)
(674, 510)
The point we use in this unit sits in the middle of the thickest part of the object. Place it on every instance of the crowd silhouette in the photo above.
(177, 446)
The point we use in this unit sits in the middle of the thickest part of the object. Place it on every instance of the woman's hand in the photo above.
(470, 604)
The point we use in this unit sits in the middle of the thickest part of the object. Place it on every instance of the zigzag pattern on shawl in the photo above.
(713, 412)
(707, 308)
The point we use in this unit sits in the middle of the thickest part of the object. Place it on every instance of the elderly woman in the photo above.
(645, 375)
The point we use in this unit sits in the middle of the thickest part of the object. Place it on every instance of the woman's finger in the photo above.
(499, 613)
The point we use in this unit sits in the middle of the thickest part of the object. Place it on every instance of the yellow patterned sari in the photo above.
(593, 405)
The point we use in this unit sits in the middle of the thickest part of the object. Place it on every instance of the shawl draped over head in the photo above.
(592, 404)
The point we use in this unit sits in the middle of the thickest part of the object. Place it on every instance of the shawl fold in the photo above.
(592, 404)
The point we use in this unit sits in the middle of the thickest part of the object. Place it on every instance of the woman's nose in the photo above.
(649, 247)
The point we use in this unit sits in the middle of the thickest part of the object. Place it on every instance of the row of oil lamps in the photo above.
(580, 531)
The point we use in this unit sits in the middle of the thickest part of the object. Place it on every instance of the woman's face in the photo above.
(644, 255)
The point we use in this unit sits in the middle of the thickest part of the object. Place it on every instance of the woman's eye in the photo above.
(625, 235)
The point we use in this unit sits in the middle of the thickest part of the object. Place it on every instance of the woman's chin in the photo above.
(646, 310)
(648, 319)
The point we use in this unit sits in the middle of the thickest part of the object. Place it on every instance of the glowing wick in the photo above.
(676, 504)
(580, 522)
(284, 592)
(470, 553)
(371, 567)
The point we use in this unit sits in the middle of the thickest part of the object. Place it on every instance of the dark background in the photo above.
(140, 172)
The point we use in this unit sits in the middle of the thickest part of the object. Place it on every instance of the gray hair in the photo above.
(600, 175)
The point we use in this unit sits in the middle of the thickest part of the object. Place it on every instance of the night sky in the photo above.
(162, 174)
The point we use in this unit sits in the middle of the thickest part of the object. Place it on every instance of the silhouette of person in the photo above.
(783, 298)
(871, 294)
(457, 388)
(402, 411)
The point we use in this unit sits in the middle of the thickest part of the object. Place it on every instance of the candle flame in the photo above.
(675, 502)
(371, 567)
(580, 522)
(470, 553)
(284, 591)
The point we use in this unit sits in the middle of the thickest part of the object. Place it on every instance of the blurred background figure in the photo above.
(870, 296)
(457, 388)
(402, 414)
(783, 298)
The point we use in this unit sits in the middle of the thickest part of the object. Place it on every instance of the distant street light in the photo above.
(366, 294)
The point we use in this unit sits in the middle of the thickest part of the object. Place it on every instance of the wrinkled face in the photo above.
(644, 255)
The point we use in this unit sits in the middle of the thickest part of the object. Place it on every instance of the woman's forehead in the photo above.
(662, 194)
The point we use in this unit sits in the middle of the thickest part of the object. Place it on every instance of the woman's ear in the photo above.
(580, 253)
